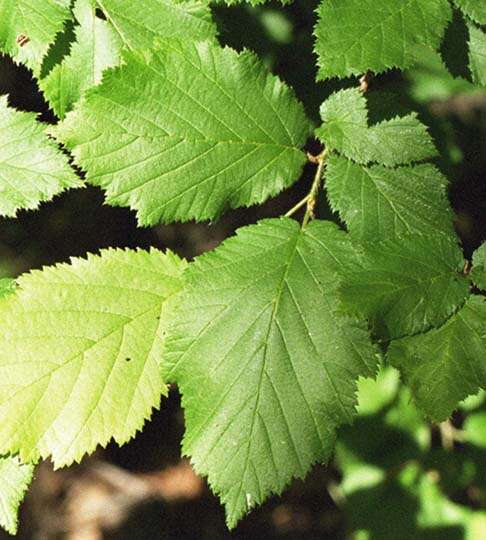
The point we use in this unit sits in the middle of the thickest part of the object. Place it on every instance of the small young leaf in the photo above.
(197, 130)
(478, 273)
(15, 478)
(391, 142)
(266, 363)
(477, 54)
(447, 364)
(139, 23)
(64, 338)
(356, 36)
(32, 168)
(475, 9)
(377, 203)
(96, 48)
(29, 27)
(407, 285)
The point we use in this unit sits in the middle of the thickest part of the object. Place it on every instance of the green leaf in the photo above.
(406, 285)
(140, 23)
(15, 478)
(475, 9)
(391, 142)
(447, 364)
(266, 363)
(253, 3)
(376, 393)
(475, 429)
(80, 346)
(7, 286)
(478, 273)
(430, 80)
(378, 203)
(197, 130)
(356, 36)
(477, 54)
(36, 21)
(32, 168)
(409, 503)
(96, 48)
(473, 402)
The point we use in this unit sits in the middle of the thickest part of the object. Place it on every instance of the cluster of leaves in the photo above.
(267, 335)
(396, 482)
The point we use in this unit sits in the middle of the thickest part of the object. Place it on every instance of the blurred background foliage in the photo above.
(395, 476)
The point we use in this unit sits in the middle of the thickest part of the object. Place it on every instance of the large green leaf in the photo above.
(196, 130)
(29, 27)
(266, 364)
(447, 364)
(391, 142)
(377, 202)
(139, 23)
(15, 478)
(356, 36)
(476, 9)
(80, 346)
(406, 285)
(479, 267)
(32, 168)
(96, 48)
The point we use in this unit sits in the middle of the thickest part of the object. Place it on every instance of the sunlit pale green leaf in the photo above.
(80, 346)
(32, 168)
(15, 478)
(97, 47)
(29, 27)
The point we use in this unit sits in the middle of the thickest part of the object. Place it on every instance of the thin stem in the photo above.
(314, 191)
(298, 206)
